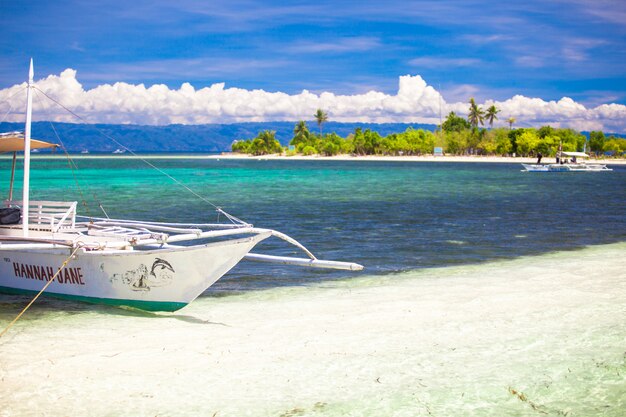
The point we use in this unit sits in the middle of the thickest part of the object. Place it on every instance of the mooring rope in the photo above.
(151, 165)
(71, 164)
(41, 291)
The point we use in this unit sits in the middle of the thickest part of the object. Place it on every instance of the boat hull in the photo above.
(164, 279)
(565, 167)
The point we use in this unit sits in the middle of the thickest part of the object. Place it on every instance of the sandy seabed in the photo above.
(542, 335)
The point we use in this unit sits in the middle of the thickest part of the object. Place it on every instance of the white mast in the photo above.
(29, 111)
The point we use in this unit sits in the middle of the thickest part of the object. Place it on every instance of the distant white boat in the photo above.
(568, 162)
(119, 151)
(84, 151)
(147, 265)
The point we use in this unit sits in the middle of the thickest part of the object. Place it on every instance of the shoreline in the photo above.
(375, 158)
(420, 158)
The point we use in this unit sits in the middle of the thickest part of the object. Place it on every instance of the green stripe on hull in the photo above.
(141, 305)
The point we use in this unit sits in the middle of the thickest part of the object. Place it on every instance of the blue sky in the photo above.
(481, 49)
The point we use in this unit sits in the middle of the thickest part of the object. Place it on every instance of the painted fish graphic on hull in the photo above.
(160, 274)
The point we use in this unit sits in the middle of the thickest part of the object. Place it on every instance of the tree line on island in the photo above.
(455, 136)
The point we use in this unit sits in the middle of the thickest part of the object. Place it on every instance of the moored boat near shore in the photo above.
(147, 265)
(568, 162)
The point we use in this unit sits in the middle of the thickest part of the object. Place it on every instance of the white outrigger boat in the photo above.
(568, 162)
(147, 265)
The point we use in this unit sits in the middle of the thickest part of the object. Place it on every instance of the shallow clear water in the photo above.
(487, 291)
(540, 335)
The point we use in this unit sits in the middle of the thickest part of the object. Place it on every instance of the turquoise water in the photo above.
(487, 292)
(388, 216)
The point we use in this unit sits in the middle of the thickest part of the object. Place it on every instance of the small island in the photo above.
(455, 136)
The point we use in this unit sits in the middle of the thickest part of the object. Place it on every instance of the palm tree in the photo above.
(301, 133)
(301, 128)
(511, 121)
(476, 114)
(491, 114)
(266, 143)
(321, 116)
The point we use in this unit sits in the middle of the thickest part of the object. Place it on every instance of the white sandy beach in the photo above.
(539, 335)
(421, 158)
(235, 156)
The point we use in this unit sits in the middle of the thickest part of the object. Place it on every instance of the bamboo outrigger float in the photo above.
(147, 265)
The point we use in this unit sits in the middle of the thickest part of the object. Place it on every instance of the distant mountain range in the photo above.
(179, 138)
(183, 138)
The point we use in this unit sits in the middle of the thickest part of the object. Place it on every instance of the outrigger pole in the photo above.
(29, 111)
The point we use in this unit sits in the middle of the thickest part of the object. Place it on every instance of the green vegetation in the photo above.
(491, 114)
(476, 114)
(265, 143)
(457, 136)
(510, 121)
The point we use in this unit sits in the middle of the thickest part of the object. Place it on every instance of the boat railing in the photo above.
(52, 216)
(121, 232)
(151, 224)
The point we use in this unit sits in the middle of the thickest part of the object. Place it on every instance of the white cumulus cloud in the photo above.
(414, 102)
